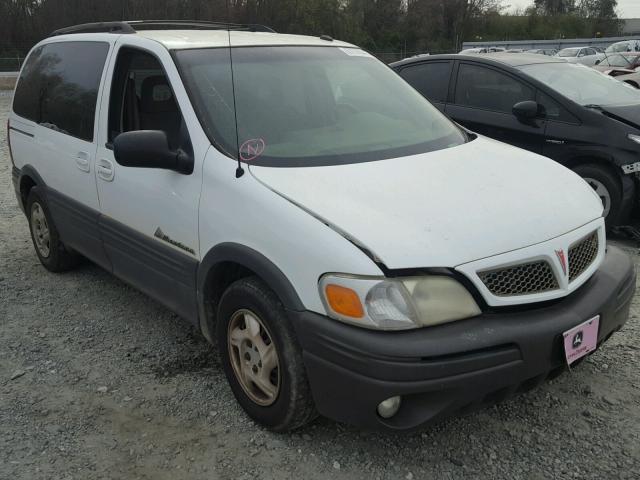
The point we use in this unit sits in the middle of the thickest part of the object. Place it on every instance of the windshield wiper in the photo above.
(593, 106)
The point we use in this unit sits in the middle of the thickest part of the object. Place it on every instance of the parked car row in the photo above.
(585, 55)
(570, 113)
(622, 66)
(632, 45)
(544, 51)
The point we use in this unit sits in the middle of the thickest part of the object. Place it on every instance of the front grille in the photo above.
(524, 279)
(582, 254)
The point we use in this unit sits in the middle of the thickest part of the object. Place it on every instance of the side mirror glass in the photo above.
(150, 149)
(527, 110)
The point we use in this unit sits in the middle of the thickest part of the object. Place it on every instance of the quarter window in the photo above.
(59, 86)
(430, 79)
(485, 88)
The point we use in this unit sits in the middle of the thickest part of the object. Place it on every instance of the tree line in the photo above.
(399, 26)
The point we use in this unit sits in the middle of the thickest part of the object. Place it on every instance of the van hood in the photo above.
(444, 208)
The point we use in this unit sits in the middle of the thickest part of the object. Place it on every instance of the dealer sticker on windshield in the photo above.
(581, 340)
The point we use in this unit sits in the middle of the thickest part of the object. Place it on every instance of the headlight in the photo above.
(635, 138)
(396, 303)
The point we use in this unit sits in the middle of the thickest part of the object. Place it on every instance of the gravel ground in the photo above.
(109, 384)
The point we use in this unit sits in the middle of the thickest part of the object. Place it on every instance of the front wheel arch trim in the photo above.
(251, 260)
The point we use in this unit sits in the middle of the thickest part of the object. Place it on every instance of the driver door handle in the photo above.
(82, 161)
(105, 170)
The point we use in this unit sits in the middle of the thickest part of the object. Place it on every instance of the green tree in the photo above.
(554, 7)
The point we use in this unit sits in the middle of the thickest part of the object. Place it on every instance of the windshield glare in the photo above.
(299, 106)
(595, 88)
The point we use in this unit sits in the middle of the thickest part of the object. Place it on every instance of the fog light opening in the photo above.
(389, 407)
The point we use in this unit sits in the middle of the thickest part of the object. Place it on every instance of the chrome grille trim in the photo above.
(582, 254)
(523, 279)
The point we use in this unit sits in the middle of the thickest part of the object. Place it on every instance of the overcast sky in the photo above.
(626, 8)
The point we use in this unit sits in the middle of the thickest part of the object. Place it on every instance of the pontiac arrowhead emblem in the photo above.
(563, 260)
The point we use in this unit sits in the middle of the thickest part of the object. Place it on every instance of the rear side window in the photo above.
(59, 85)
(430, 79)
(485, 88)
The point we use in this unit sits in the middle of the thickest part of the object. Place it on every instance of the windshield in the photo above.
(617, 61)
(305, 106)
(568, 52)
(595, 88)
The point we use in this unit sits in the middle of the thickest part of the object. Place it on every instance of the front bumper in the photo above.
(457, 366)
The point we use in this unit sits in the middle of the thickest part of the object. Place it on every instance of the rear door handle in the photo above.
(105, 171)
(82, 161)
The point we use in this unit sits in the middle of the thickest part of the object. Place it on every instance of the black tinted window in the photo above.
(25, 101)
(481, 87)
(430, 79)
(59, 86)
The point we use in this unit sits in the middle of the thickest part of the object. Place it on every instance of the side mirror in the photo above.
(526, 110)
(598, 62)
(150, 149)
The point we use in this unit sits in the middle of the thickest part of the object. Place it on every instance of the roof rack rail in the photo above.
(99, 27)
(132, 26)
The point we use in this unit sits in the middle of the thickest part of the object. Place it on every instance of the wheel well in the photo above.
(218, 279)
(26, 184)
(599, 162)
(632, 83)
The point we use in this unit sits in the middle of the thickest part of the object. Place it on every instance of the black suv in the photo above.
(570, 113)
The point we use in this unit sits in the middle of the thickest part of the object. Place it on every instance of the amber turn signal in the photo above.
(344, 301)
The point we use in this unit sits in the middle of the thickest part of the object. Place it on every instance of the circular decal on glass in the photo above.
(251, 149)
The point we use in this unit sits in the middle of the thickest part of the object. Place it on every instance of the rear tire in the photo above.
(261, 357)
(53, 254)
(608, 188)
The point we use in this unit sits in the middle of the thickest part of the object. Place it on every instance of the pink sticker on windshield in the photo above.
(251, 149)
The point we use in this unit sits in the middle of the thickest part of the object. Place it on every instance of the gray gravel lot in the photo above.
(109, 384)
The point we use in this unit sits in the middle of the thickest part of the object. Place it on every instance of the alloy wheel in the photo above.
(602, 192)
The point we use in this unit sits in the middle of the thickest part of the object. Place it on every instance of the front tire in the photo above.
(52, 253)
(261, 357)
(608, 188)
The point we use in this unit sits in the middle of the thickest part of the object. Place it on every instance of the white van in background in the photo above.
(624, 46)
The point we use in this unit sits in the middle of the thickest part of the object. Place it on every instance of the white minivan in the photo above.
(350, 251)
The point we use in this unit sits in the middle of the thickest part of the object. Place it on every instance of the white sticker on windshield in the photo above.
(356, 52)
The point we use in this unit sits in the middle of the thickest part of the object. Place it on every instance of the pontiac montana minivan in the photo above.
(350, 251)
